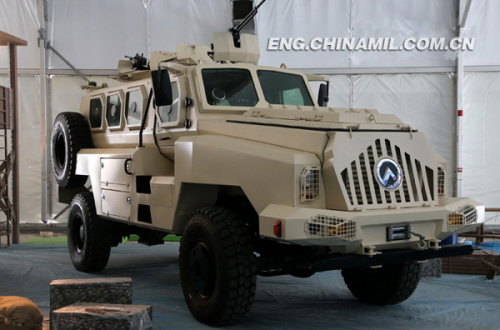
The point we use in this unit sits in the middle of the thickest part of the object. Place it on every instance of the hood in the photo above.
(301, 128)
(321, 119)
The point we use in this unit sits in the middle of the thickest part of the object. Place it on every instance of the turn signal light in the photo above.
(277, 229)
(455, 219)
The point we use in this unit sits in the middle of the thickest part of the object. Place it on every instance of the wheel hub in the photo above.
(78, 234)
(60, 148)
(202, 269)
(82, 233)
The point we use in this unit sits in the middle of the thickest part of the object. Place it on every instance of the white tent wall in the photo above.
(483, 24)
(357, 19)
(15, 20)
(481, 135)
(95, 34)
(30, 147)
(378, 19)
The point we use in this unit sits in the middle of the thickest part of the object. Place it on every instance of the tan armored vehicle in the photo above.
(257, 176)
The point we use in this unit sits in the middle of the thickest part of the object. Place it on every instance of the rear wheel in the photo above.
(217, 267)
(387, 285)
(88, 242)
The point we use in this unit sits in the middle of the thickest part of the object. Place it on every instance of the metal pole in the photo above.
(463, 11)
(43, 116)
(68, 63)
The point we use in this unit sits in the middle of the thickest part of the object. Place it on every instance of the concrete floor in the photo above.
(319, 302)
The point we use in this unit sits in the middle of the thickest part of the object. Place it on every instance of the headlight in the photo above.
(309, 184)
(441, 181)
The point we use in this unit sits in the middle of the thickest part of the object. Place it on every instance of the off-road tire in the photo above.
(70, 133)
(388, 285)
(88, 242)
(217, 267)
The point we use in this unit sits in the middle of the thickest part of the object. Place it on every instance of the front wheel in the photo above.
(217, 267)
(387, 285)
(88, 242)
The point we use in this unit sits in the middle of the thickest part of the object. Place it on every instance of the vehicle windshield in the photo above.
(284, 88)
(229, 87)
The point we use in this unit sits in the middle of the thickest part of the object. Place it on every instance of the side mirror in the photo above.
(323, 95)
(162, 90)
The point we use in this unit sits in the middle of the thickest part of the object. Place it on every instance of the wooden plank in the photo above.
(4, 107)
(472, 265)
(6, 39)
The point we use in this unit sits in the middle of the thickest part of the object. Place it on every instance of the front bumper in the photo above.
(389, 257)
(367, 232)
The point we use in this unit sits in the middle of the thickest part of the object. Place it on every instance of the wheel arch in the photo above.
(194, 196)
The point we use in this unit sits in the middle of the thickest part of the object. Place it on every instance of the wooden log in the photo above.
(100, 316)
(480, 235)
(494, 269)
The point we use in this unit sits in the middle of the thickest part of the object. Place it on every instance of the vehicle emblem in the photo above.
(389, 174)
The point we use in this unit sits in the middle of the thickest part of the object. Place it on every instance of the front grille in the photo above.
(364, 190)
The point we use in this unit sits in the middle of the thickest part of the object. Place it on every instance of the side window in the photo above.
(113, 110)
(170, 113)
(133, 107)
(95, 113)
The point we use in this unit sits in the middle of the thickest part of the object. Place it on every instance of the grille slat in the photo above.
(371, 195)
(376, 187)
(407, 168)
(362, 179)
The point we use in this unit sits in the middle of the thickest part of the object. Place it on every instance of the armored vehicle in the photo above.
(257, 175)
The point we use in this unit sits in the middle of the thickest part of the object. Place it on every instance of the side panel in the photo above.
(143, 196)
(116, 204)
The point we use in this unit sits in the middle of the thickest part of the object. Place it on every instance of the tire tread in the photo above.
(237, 242)
(388, 285)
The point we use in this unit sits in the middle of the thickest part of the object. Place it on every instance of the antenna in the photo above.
(235, 30)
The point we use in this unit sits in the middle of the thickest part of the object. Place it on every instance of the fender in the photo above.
(266, 173)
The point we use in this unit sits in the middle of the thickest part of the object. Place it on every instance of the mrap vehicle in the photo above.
(258, 176)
